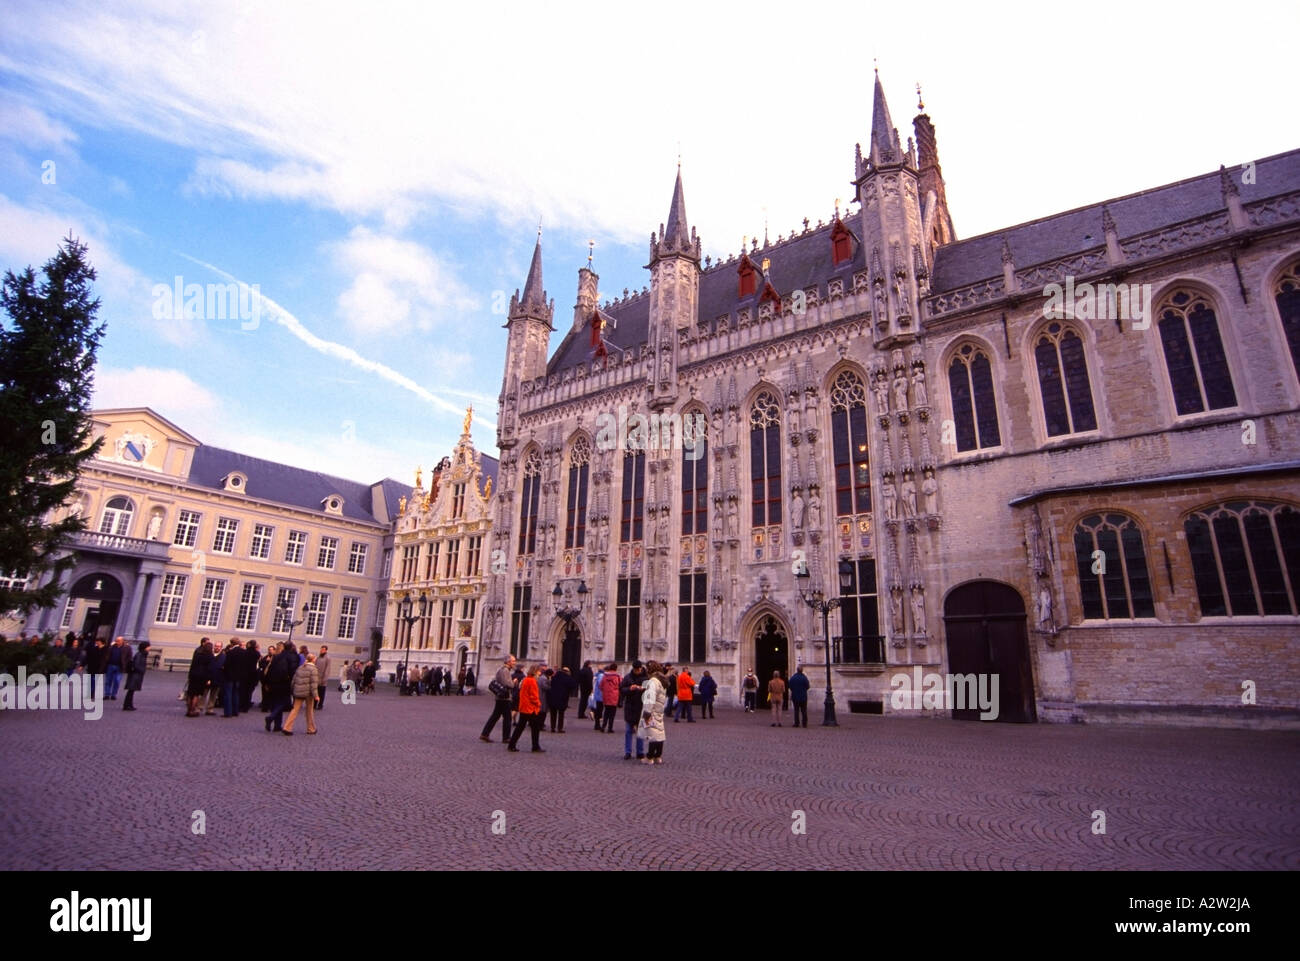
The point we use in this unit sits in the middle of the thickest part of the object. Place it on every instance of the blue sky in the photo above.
(379, 172)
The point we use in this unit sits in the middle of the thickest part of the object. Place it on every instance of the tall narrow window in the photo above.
(187, 529)
(1198, 367)
(860, 617)
(260, 547)
(410, 563)
(431, 561)
(444, 624)
(457, 500)
(117, 517)
(348, 618)
(214, 592)
(473, 558)
(250, 602)
(1246, 558)
(1288, 308)
(692, 618)
(521, 611)
(327, 553)
(286, 599)
(695, 474)
(223, 541)
(453, 557)
(849, 443)
(765, 459)
(1063, 381)
(357, 558)
(575, 526)
(627, 619)
(173, 595)
(528, 502)
(630, 528)
(974, 407)
(293, 550)
(320, 603)
(1113, 578)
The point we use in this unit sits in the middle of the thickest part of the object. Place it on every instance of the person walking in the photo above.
(749, 686)
(232, 678)
(323, 675)
(115, 663)
(252, 664)
(631, 689)
(798, 688)
(135, 675)
(585, 680)
(609, 688)
(530, 711)
(598, 698)
(280, 683)
(708, 691)
(654, 699)
(305, 682)
(775, 692)
(500, 687)
(471, 682)
(670, 687)
(685, 696)
(199, 677)
(562, 687)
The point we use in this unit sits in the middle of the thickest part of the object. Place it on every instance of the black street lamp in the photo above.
(404, 613)
(566, 611)
(818, 601)
(286, 617)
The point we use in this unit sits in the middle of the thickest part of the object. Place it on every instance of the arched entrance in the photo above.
(571, 647)
(984, 622)
(103, 594)
(771, 653)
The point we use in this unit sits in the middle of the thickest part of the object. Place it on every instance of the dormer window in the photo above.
(235, 481)
(841, 243)
(332, 504)
(748, 277)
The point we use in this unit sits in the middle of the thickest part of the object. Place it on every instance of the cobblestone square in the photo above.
(405, 783)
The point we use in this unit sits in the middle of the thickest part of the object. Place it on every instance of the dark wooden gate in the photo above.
(771, 653)
(571, 648)
(985, 625)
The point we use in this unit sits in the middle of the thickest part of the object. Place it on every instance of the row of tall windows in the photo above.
(248, 607)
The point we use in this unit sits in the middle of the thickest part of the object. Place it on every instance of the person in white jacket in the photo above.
(654, 698)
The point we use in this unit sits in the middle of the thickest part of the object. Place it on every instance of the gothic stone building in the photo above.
(1063, 454)
(439, 564)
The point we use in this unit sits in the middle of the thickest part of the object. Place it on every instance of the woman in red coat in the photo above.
(530, 711)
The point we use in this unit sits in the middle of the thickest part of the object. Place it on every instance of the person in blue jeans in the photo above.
(118, 655)
(630, 692)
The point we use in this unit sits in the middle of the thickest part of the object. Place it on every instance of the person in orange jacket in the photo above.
(530, 711)
(685, 696)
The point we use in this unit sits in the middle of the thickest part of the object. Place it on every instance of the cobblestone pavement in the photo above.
(405, 783)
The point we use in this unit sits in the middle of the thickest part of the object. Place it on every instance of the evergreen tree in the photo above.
(48, 340)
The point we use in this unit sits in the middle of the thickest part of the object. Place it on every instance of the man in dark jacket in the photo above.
(252, 656)
(557, 699)
(135, 674)
(232, 678)
(96, 662)
(501, 703)
(199, 677)
(708, 691)
(798, 688)
(586, 680)
(630, 693)
(217, 678)
(116, 660)
(279, 682)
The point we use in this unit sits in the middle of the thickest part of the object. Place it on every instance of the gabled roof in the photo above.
(1065, 234)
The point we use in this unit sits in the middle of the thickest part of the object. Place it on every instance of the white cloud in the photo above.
(172, 393)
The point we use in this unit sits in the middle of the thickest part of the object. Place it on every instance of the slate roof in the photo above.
(1065, 234)
(268, 480)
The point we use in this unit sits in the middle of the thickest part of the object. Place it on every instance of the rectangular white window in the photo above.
(67, 613)
(214, 592)
(286, 599)
(388, 562)
(348, 618)
(187, 529)
(329, 549)
(457, 500)
(444, 624)
(169, 604)
(293, 551)
(475, 552)
(453, 558)
(431, 564)
(320, 603)
(224, 541)
(381, 605)
(261, 547)
(250, 601)
(357, 558)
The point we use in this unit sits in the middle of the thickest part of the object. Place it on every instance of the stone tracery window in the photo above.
(575, 528)
(695, 473)
(1287, 295)
(974, 406)
(1245, 557)
(1194, 355)
(1063, 381)
(849, 444)
(765, 459)
(532, 487)
(1121, 586)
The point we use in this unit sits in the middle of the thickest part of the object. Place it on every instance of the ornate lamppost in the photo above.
(286, 617)
(568, 612)
(404, 613)
(818, 601)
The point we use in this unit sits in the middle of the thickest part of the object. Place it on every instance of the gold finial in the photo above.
(837, 208)
(920, 104)
(766, 263)
(591, 249)
(539, 230)
(469, 415)
(744, 243)
(417, 477)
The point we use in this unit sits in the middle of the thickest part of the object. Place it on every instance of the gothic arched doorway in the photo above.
(103, 594)
(984, 622)
(571, 647)
(771, 653)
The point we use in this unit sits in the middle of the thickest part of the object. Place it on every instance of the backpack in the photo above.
(750, 682)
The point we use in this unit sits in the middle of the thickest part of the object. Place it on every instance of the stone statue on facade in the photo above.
(900, 393)
(918, 388)
(796, 511)
(891, 500)
(814, 511)
(918, 608)
(909, 496)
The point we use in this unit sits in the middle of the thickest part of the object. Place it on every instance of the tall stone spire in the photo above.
(533, 292)
(676, 238)
(885, 146)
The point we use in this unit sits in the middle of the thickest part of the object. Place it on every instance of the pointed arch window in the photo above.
(633, 512)
(849, 444)
(1287, 294)
(974, 406)
(117, 516)
(1194, 355)
(765, 459)
(1113, 577)
(531, 491)
(1245, 557)
(695, 473)
(575, 528)
(1063, 381)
